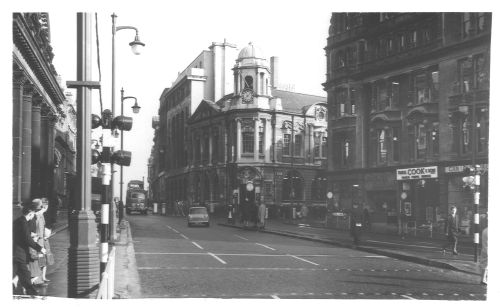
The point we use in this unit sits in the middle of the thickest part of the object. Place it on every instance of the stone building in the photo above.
(252, 142)
(408, 95)
(43, 145)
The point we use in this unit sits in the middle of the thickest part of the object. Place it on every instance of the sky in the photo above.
(173, 39)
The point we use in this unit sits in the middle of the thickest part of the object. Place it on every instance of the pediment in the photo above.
(206, 109)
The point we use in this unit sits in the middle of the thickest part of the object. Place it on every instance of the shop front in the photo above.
(418, 190)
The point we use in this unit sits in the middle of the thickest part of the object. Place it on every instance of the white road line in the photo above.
(408, 297)
(168, 227)
(375, 257)
(184, 236)
(228, 268)
(266, 246)
(220, 260)
(197, 245)
(150, 253)
(241, 237)
(305, 260)
(174, 230)
(275, 297)
(431, 247)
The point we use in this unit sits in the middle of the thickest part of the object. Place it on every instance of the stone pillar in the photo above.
(193, 141)
(238, 140)
(35, 146)
(17, 130)
(320, 144)
(256, 140)
(311, 143)
(202, 149)
(267, 140)
(44, 152)
(210, 146)
(26, 143)
(51, 148)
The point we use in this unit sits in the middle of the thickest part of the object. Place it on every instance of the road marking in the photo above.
(146, 253)
(220, 260)
(230, 268)
(184, 236)
(408, 297)
(168, 227)
(241, 237)
(174, 230)
(375, 257)
(431, 247)
(266, 246)
(197, 245)
(305, 260)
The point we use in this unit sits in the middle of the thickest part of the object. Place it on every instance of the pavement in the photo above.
(417, 248)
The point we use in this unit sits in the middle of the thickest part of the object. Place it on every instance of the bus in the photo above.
(136, 197)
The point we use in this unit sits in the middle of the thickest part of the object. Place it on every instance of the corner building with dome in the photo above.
(227, 134)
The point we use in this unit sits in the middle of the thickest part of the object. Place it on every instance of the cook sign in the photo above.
(417, 173)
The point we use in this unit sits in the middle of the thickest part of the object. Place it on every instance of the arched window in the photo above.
(382, 146)
(293, 186)
(465, 135)
(248, 82)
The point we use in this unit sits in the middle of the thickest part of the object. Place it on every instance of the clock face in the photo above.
(247, 95)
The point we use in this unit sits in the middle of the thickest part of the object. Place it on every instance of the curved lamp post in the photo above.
(135, 109)
(136, 46)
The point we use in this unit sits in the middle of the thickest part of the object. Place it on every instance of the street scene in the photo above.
(359, 172)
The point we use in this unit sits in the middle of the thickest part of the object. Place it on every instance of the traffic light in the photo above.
(123, 123)
(121, 157)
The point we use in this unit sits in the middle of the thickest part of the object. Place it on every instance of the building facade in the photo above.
(253, 142)
(43, 150)
(408, 95)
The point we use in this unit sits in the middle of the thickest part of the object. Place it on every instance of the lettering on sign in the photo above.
(417, 173)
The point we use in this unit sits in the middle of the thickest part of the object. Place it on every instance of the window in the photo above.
(474, 23)
(206, 148)
(395, 144)
(426, 35)
(382, 146)
(394, 94)
(297, 151)
(380, 97)
(346, 152)
(317, 144)
(286, 144)
(261, 138)
(247, 136)
(465, 75)
(341, 101)
(435, 140)
(248, 82)
(352, 99)
(465, 135)
(197, 150)
(340, 59)
(426, 86)
(351, 56)
(481, 72)
(215, 147)
(421, 141)
(482, 131)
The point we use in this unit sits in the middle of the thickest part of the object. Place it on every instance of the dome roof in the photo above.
(251, 51)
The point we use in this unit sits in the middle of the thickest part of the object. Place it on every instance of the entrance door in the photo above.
(247, 203)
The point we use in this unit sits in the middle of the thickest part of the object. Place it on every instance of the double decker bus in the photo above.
(136, 197)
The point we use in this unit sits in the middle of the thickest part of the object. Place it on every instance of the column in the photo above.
(193, 141)
(320, 144)
(210, 146)
(17, 130)
(238, 140)
(51, 148)
(26, 143)
(267, 140)
(35, 145)
(226, 143)
(202, 149)
(256, 139)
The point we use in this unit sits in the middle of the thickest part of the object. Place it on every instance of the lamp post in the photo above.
(135, 109)
(136, 46)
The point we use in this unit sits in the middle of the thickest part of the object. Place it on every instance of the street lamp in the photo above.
(135, 109)
(136, 46)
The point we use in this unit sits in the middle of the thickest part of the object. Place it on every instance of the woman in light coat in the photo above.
(43, 234)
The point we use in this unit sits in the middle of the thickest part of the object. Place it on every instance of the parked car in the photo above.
(198, 216)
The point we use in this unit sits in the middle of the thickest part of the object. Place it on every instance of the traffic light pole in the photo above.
(83, 252)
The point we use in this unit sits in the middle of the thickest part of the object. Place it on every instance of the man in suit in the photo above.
(22, 241)
(451, 230)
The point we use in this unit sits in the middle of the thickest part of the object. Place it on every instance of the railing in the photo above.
(107, 284)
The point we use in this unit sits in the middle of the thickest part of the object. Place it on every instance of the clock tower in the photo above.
(252, 80)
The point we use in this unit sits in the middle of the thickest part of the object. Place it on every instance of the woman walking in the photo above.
(43, 235)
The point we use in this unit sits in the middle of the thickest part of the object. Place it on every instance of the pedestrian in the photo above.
(33, 265)
(483, 263)
(366, 219)
(451, 230)
(22, 241)
(43, 234)
(354, 229)
(262, 216)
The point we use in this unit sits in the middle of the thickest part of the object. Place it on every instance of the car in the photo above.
(198, 216)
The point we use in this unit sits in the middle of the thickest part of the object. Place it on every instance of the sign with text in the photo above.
(417, 173)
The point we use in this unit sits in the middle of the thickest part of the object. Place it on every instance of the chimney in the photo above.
(274, 72)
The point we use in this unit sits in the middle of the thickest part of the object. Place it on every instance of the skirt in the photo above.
(48, 258)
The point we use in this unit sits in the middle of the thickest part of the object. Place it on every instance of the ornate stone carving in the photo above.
(19, 78)
(28, 89)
